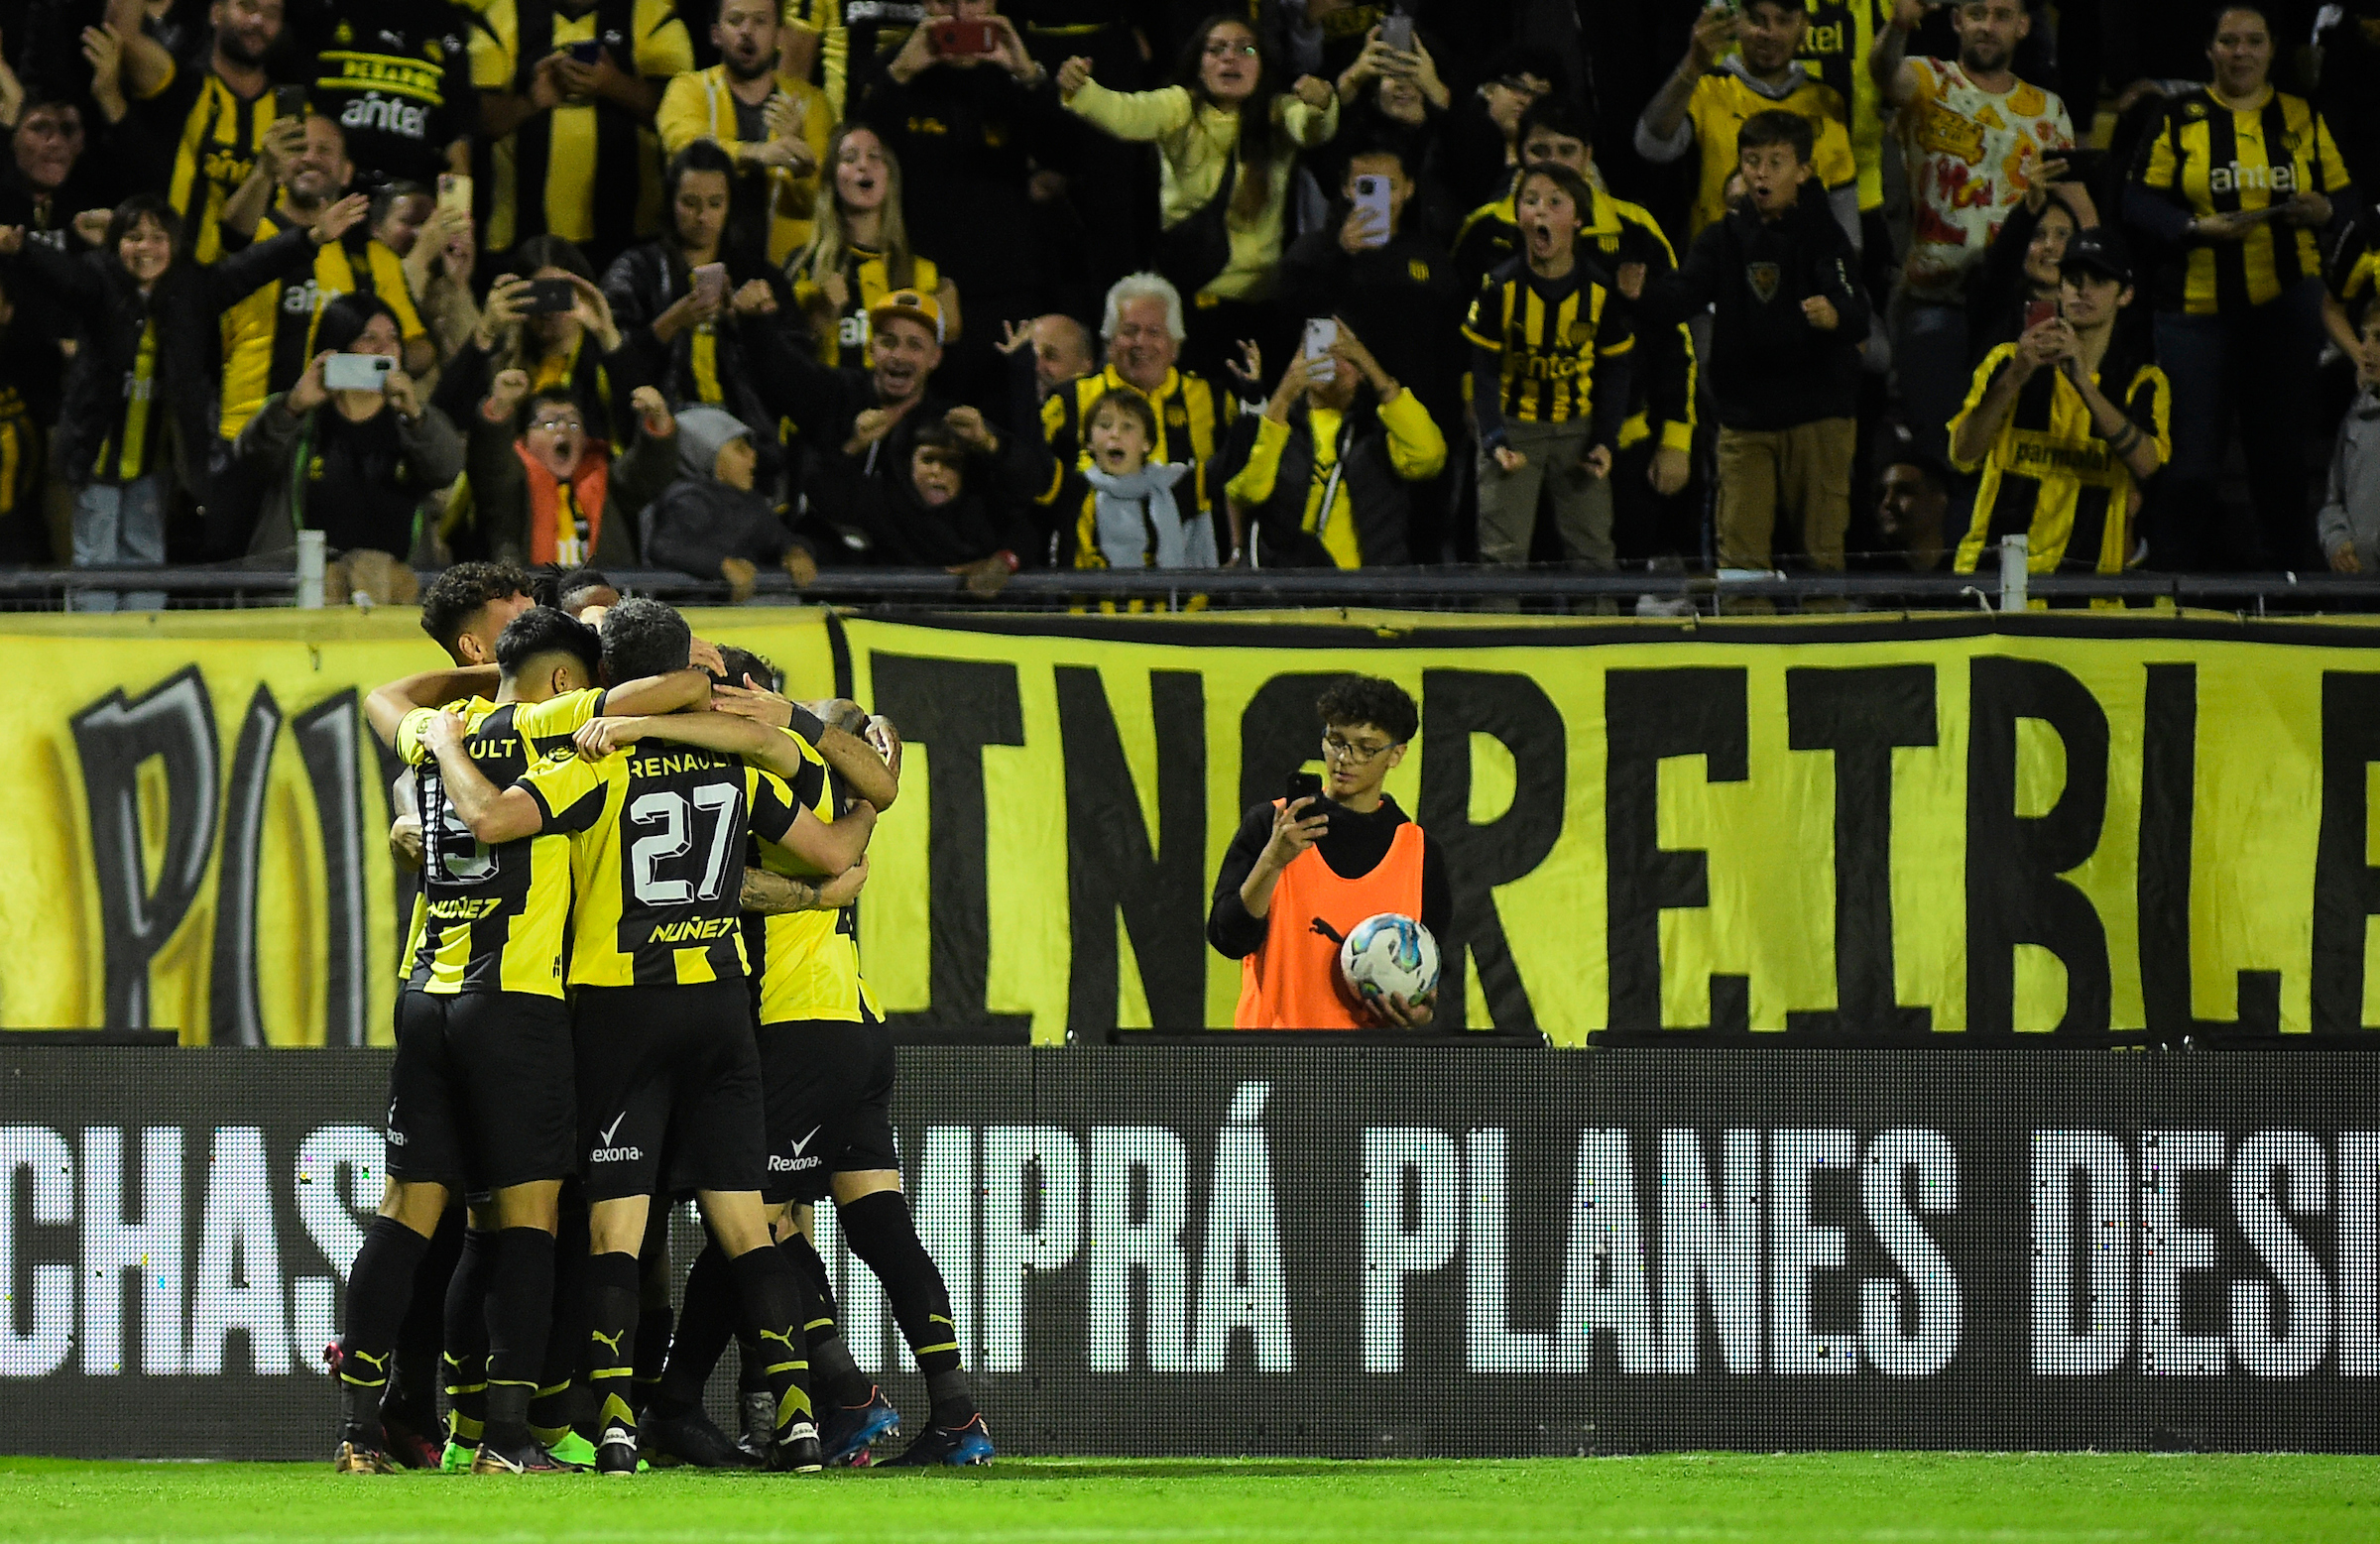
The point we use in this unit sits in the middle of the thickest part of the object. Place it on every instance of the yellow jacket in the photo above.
(697, 107)
(1195, 143)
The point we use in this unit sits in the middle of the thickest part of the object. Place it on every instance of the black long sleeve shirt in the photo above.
(1353, 846)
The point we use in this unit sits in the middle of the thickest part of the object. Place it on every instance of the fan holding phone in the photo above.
(351, 449)
(963, 41)
(1305, 870)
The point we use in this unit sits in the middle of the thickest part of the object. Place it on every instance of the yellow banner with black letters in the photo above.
(2071, 825)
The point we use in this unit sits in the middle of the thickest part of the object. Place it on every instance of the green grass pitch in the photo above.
(1894, 1499)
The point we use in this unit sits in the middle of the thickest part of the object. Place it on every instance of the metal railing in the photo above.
(1545, 589)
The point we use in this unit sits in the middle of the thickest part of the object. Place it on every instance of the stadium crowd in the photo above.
(726, 286)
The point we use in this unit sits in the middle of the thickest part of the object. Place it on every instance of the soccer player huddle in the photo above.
(632, 978)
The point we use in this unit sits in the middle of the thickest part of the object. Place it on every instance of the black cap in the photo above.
(2094, 252)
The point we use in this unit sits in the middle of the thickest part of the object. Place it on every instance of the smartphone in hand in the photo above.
(1372, 197)
(548, 298)
(357, 372)
(454, 192)
(1305, 785)
(1322, 335)
(2039, 311)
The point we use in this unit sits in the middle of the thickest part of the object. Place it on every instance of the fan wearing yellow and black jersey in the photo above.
(397, 75)
(568, 94)
(666, 1058)
(1550, 343)
(2235, 184)
(1704, 103)
(1143, 331)
(480, 1095)
(1616, 234)
(2065, 425)
(269, 337)
(216, 119)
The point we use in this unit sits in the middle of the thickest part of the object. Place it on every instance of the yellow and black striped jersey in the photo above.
(854, 36)
(2208, 158)
(215, 132)
(491, 918)
(808, 962)
(2050, 477)
(1547, 335)
(657, 858)
(1193, 416)
(1618, 232)
(268, 335)
(589, 171)
(1835, 45)
(866, 280)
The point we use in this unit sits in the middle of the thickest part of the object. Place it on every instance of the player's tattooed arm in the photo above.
(674, 692)
(775, 894)
(493, 814)
(388, 705)
(870, 776)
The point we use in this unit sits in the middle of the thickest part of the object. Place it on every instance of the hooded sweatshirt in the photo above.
(1770, 369)
(699, 521)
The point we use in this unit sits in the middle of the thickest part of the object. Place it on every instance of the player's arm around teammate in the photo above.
(869, 767)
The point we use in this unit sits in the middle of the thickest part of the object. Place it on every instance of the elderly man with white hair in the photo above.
(1143, 333)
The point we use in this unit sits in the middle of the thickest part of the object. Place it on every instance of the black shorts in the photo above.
(668, 1090)
(830, 1103)
(481, 1093)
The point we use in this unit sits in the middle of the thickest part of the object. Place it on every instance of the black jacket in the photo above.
(901, 530)
(1769, 368)
(1401, 299)
(1380, 501)
(188, 303)
(649, 278)
(699, 521)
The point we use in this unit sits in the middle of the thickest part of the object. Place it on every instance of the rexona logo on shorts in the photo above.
(604, 1152)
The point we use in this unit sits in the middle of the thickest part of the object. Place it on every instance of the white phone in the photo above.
(1372, 197)
(356, 372)
(1322, 335)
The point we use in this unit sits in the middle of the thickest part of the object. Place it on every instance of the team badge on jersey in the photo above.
(1764, 278)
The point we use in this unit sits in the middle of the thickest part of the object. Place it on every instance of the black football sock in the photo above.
(881, 1234)
(561, 1401)
(769, 1299)
(653, 1349)
(612, 1338)
(835, 1377)
(653, 1318)
(704, 1321)
(519, 1312)
(466, 1357)
(414, 1377)
(378, 1286)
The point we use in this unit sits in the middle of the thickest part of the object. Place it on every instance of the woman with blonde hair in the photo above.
(859, 251)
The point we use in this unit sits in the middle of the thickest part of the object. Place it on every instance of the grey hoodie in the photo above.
(2352, 496)
(699, 520)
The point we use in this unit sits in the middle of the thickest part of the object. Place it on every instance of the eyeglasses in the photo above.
(1340, 749)
(1227, 49)
(555, 426)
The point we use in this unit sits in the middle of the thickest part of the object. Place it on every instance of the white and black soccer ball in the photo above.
(1387, 954)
